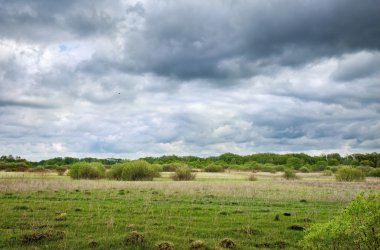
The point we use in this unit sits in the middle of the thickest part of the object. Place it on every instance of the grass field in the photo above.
(46, 211)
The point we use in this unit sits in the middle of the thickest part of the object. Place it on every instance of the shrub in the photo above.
(227, 243)
(214, 168)
(333, 162)
(165, 245)
(268, 168)
(134, 238)
(319, 166)
(357, 227)
(366, 163)
(333, 169)
(61, 170)
(279, 168)
(289, 174)
(304, 170)
(349, 174)
(327, 173)
(294, 162)
(172, 167)
(85, 170)
(116, 172)
(251, 165)
(133, 171)
(374, 172)
(14, 166)
(252, 177)
(365, 169)
(38, 169)
(183, 174)
(198, 245)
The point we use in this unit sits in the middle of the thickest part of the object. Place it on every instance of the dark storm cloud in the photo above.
(198, 40)
(134, 78)
(47, 21)
(26, 104)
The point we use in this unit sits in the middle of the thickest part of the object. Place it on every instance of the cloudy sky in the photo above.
(115, 78)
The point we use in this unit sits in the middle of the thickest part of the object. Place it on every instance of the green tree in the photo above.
(357, 227)
(294, 162)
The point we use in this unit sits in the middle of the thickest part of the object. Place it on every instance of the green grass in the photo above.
(73, 213)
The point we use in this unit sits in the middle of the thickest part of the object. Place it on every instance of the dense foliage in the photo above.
(133, 171)
(85, 170)
(349, 174)
(357, 227)
(183, 174)
(268, 162)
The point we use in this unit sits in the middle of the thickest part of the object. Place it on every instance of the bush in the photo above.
(214, 168)
(304, 170)
(172, 167)
(289, 174)
(333, 169)
(294, 162)
(165, 245)
(38, 169)
(365, 169)
(374, 172)
(251, 165)
(85, 170)
(349, 174)
(252, 177)
(133, 171)
(61, 170)
(14, 166)
(183, 174)
(357, 227)
(279, 168)
(327, 173)
(319, 166)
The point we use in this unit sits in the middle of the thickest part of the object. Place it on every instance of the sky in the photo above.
(114, 78)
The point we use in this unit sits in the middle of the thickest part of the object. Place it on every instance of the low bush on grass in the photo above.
(365, 169)
(290, 174)
(304, 170)
(349, 174)
(133, 171)
(183, 174)
(252, 177)
(374, 172)
(198, 245)
(61, 170)
(214, 168)
(38, 169)
(357, 227)
(134, 238)
(165, 245)
(327, 173)
(172, 167)
(34, 237)
(227, 243)
(85, 170)
(279, 168)
(14, 166)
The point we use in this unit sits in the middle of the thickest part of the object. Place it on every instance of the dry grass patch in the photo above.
(227, 243)
(164, 245)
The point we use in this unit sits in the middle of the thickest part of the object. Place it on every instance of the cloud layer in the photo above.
(137, 78)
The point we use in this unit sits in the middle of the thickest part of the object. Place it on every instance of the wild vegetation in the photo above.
(260, 161)
(356, 227)
(144, 204)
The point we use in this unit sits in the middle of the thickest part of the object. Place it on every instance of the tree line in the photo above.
(295, 160)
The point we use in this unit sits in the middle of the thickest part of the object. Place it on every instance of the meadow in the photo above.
(47, 211)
